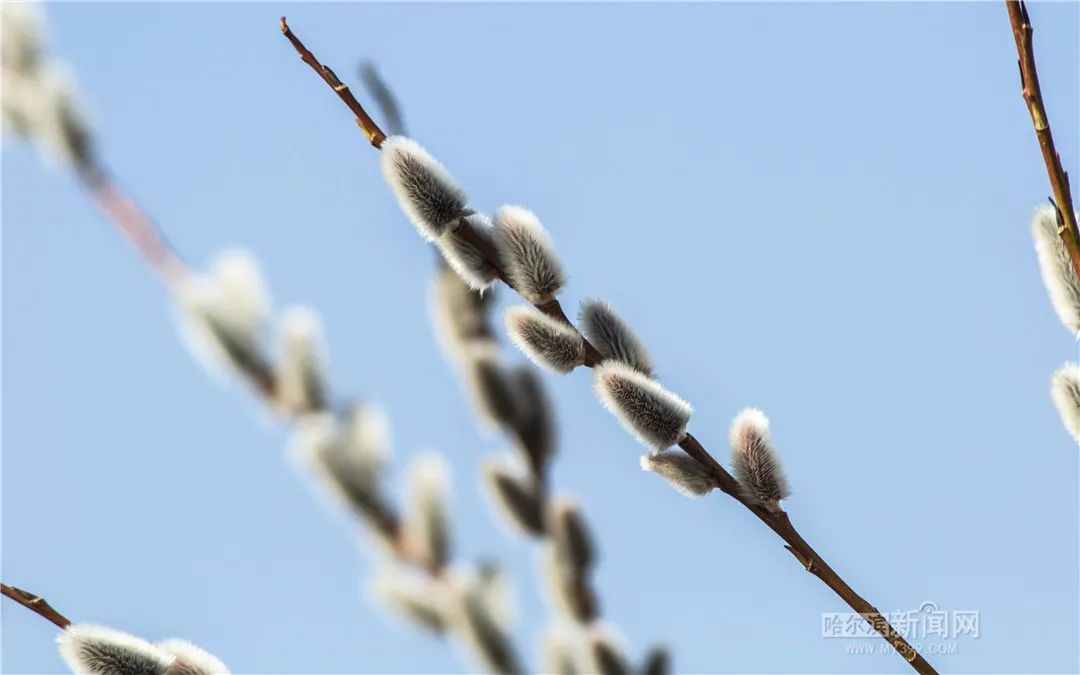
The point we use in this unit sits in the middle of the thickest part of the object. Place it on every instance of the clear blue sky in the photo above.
(819, 210)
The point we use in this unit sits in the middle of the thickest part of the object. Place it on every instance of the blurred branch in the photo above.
(777, 522)
(36, 604)
(384, 98)
(1033, 97)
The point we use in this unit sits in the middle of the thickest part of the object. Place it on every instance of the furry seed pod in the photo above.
(191, 660)
(757, 465)
(96, 650)
(490, 385)
(59, 124)
(567, 529)
(1057, 271)
(613, 337)
(468, 262)
(657, 662)
(561, 651)
(415, 599)
(482, 628)
(608, 658)
(425, 191)
(528, 255)
(348, 457)
(222, 318)
(654, 415)
(515, 496)
(535, 421)
(22, 41)
(546, 341)
(427, 528)
(1065, 390)
(685, 473)
(302, 374)
(458, 314)
(567, 586)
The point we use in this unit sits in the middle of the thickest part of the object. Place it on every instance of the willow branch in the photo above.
(779, 522)
(1033, 98)
(36, 604)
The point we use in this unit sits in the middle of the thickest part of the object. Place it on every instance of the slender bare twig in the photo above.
(36, 604)
(1033, 97)
(778, 522)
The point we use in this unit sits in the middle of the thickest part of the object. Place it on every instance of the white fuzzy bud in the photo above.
(1057, 270)
(546, 341)
(515, 496)
(1065, 390)
(535, 422)
(190, 659)
(464, 258)
(608, 656)
(302, 384)
(414, 598)
(757, 465)
(96, 650)
(483, 627)
(490, 386)
(654, 415)
(427, 528)
(685, 473)
(425, 191)
(561, 650)
(528, 255)
(222, 317)
(22, 41)
(613, 337)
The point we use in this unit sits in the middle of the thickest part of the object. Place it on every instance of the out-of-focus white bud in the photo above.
(1057, 270)
(1065, 390)
(464, 258)
(414, 598)
(515, 496)
(301, 374)
(427, 527)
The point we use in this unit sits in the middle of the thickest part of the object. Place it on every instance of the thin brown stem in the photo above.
(134, 224)
(36, 604)
(374, 134)
(1033, 97)
(777, 522)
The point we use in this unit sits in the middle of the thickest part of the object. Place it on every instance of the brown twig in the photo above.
(36, 604)
(779, 523)
(1033, 97)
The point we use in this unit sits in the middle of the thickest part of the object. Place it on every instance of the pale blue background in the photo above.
(820, 210)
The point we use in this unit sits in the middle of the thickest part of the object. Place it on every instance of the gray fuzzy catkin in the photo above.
(515, 497)
(491, 387)
(528, 254)
(654, 415)
(425, 191)
(462, 257)
(757, 466)
(535, 421)
(96, 650)
(546, 341)
(685, 473)
(1065, 390)
(190, 659)
(1058, 274)
(568, 532)
(613, 337)
(428, 523)
(607, 658)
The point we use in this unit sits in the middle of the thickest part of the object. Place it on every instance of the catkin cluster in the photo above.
(225, 317)
(1063, 286)
(518, 249)
(39, 103)
(513, 400)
